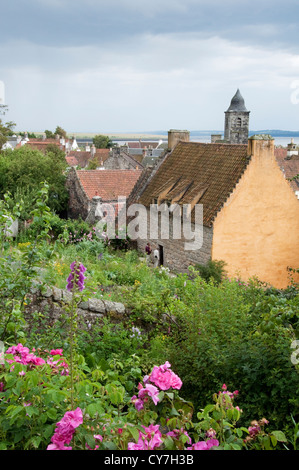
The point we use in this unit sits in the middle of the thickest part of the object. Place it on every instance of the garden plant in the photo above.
(197, 363)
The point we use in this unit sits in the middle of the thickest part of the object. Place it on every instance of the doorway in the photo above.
(161, 255)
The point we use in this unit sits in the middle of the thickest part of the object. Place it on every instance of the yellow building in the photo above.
(250, 209)
(257, 230)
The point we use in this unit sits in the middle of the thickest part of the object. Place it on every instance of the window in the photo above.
(239, 122)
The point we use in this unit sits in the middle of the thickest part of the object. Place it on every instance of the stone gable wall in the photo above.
(78, 205)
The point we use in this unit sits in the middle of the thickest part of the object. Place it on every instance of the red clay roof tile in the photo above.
(108, 184)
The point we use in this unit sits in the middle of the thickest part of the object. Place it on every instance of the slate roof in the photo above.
(198, 173)
(108, 184)
(133, 161)
(142, 144)
(237, 103)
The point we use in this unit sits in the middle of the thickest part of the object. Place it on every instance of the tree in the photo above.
(23, 169)
(31, 135)
(3, 134)
(7, 128)
(5, 131)
(61, 132)
(102, 142)
(49, 134)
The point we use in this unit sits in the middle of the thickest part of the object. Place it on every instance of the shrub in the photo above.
(212, 270)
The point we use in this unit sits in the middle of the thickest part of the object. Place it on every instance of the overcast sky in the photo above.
(148, 65)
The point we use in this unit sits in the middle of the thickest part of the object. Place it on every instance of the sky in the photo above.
(105, 66)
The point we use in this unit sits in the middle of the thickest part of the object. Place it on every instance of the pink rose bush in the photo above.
(65, 430)
(163, 379)
(22, 355)
(156, 418)
(204, 445)
(149, 439)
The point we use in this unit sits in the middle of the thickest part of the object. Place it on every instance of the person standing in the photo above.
(156, 258)
(148, 251)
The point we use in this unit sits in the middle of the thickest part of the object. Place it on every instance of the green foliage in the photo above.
(61, 132)
(211, 332)
(212, 270)
(34, 398)
(49, 134)
(25, 169)
(31, 135)
(102, 142)
(5, 131)
(223, 337)
(19, 273)
(68, 231)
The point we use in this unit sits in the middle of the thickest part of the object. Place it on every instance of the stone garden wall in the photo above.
(53, 303)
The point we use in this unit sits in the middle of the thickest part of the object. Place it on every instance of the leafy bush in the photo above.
(106, 414)
(218, 339)
(212, 270)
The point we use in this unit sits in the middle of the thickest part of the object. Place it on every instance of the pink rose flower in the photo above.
(56, 352)
(204, 445)
(148, 440)
(151, 391)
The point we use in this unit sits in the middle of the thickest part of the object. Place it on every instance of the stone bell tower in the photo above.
(236, 125)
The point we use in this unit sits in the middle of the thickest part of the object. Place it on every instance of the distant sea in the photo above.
(205, 137)
(284, 141)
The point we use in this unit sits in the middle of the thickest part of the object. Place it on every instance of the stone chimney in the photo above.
(91, 217)
(175, 136)
(93, 150)
(261, 145)
(292, 150)
(116, 151)
(216, 138)
(87, 148)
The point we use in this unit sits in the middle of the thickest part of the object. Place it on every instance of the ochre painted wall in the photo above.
(257, 231)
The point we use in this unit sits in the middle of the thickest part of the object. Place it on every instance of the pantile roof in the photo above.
(198, 173)
(289, 166)
(82, 158)
(108, 184)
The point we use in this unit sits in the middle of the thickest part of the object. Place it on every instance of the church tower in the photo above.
(236, 125)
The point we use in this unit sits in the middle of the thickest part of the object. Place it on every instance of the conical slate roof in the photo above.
(237, 103)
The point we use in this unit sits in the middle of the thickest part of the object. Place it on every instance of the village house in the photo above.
(146, 152)
(120, 160)
(82, 158)
(288, 161)
(41, 143)
(88, 189)
(250, 209)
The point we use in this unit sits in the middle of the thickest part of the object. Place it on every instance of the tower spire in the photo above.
(236, 127)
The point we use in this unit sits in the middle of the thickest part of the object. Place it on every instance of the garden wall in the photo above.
(54, 302)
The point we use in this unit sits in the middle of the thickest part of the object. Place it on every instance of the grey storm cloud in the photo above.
(147, 64)
(85, 22)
